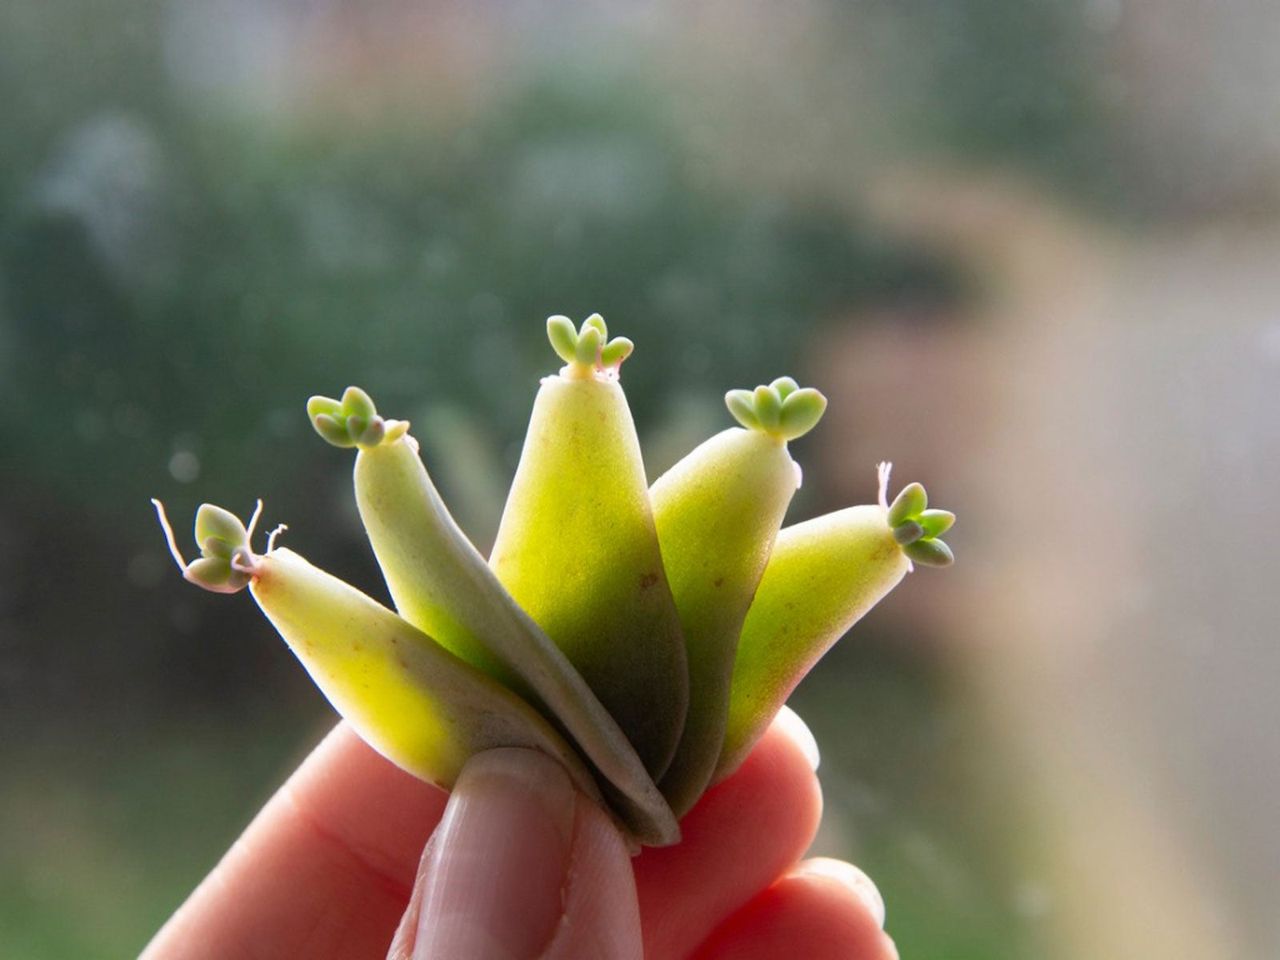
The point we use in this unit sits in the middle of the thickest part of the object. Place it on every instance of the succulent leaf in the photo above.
(822, 577)
(910, 502)
(930, 553)
(801, 411)
(936, 522)
(741, 404)
(578, 551)
(907, 532)
(414, 702)
(214, 522)
(717, 513)
(618, 350)
(564, 339)
(784, 387)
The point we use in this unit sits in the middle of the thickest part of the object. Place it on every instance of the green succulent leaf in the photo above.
(801, 411)
(409, 698)
(588, 349)
(563, 337)
(822, 577)
(741, 404)
(930, 553)
(618, 350)
(578, 551)
(596, 322)
(907, 532)
(717, 513)
(215, 523)
(936, 522)
(908, 504)
(784, 387)
(357, 403)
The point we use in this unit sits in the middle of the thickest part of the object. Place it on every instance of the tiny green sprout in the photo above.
(352, 421)
(782, 409)
(588, 349)
(916, 528)
(226, 563)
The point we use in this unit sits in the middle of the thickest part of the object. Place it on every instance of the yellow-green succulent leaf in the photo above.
(442, 585)
(823, 576)
(801, 410)
(784, 387)
(589, 344)
(414, 702)
(741, 404)
(717, 512)
(578, 550)
(768, 406)
(596, 322)
(563, 337)
(617, 350)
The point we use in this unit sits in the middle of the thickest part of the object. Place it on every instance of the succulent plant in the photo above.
(644, 636)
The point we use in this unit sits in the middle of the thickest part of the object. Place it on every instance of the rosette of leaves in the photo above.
(644, 636)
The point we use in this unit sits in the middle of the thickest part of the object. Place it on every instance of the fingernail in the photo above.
(853, 879)
(800, 734)
(499, 861)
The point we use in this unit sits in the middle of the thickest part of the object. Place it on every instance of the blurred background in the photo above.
(1028, 248)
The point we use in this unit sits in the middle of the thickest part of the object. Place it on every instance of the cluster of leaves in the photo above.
(645, 637)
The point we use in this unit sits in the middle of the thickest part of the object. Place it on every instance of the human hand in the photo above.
(518, 865)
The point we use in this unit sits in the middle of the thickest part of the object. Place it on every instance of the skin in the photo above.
(331, 868)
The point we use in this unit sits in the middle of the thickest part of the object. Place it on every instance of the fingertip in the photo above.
(788, 722)
(851, 878)
(523, 865)
(821, 910)
(601, 916)
(496, 870)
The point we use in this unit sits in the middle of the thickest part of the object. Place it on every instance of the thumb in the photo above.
(522, 866)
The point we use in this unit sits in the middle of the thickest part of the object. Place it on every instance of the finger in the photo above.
(324, 870)
(744, 834)
(521, 867)
(821, 910)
